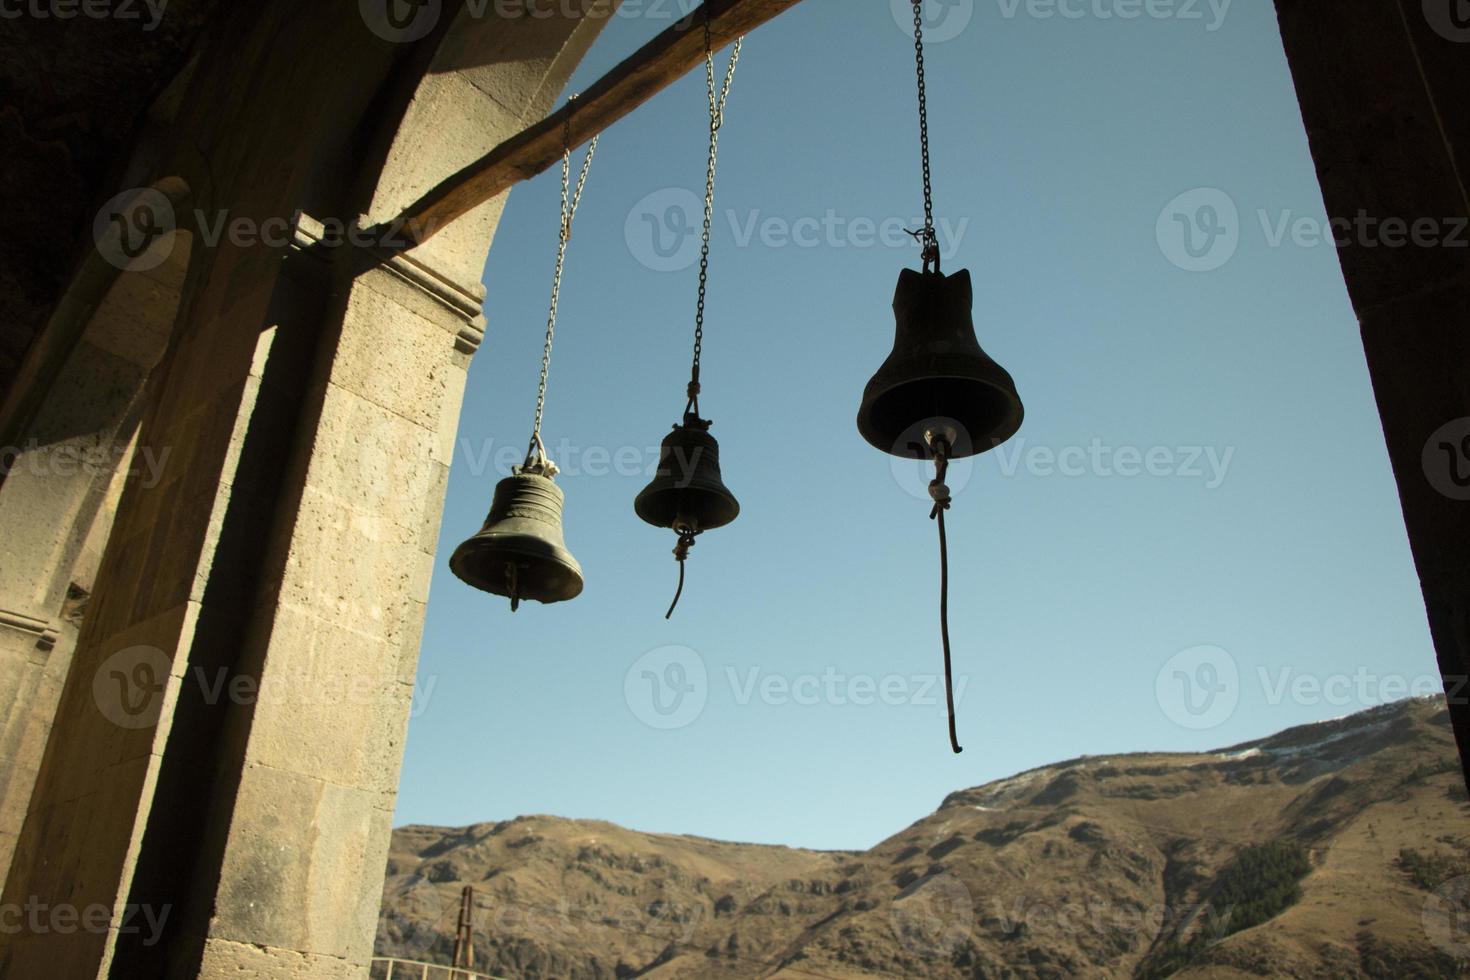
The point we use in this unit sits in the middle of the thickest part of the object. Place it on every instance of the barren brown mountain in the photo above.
(1331, 850)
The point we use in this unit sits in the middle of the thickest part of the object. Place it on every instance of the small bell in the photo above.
(687, 493)
(520, 553)
(938, 379)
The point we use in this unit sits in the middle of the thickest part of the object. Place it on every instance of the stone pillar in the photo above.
(261, 97)
(304, 722)
(227, 744)
(58, 494)
(1382, 86)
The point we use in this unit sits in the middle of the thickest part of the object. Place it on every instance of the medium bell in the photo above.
(938, 381)
(687, 493)
(521, 553)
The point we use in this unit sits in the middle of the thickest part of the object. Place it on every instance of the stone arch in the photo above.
(273, 567)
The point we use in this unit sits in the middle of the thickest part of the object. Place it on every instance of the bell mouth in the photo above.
(486, 564)
(690, 508)
(975, 416)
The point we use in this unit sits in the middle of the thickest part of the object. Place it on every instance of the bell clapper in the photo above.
(512, 584)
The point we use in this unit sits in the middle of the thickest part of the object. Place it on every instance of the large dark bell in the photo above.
(937, 377)
(520, 553)
(687, 493)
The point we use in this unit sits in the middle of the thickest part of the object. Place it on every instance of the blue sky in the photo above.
(1194, 540)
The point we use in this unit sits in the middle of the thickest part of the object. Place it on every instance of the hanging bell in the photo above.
(521, 553)
(687, 493)
(938, 382)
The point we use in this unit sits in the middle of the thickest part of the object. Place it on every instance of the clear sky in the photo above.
(1201, 463)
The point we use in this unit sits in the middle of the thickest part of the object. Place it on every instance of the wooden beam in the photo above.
(655, 66)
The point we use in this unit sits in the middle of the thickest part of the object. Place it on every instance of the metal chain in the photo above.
(929, 240)
(716, 120)
(569, 203)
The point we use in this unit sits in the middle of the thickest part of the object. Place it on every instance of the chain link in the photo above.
(569, 203)
(928, 239)
(717, 100)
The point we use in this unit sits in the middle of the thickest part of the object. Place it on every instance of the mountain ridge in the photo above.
(1107, 865)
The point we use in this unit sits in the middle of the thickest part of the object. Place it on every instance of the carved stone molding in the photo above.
(311, 238)
(45, 634)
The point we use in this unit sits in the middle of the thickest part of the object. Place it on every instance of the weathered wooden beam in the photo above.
(654, 67)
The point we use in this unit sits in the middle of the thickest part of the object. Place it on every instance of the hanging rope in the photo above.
(536, 458)
(940, 494)
(928, 240)
(681, 552)
(717, 100)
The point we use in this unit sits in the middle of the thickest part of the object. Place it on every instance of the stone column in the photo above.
(261, 98)
(1382, 86)
(60, 490)
(304, 722)
(228, 741)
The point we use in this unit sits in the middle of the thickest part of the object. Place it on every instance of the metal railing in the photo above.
(393, 968)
